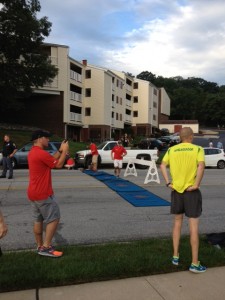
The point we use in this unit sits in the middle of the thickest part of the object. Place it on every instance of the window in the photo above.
(135, 85)
(121, 101)
(87, 111)
(88, 74)
(87, 92)
(154, 117)
(155, 92)
(135, 114)
(136, 99)
(117, 99)
(155, 104)
(121, 117)
(117, 116)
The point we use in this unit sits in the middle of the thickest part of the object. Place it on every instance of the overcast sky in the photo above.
(165, 37)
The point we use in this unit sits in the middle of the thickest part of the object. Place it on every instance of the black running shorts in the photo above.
(188, 203)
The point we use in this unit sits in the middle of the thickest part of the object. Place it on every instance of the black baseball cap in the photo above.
(40, 133)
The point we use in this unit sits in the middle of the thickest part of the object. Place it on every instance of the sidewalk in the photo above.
(173, 286)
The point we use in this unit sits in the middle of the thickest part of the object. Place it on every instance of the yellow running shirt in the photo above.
(183, 160)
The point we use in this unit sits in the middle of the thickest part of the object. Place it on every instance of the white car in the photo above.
(214, 157)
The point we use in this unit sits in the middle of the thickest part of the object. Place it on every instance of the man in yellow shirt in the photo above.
(187, 163)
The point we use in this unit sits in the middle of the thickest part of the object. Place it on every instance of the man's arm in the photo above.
(112, 154)
(14, 151)
(3, 227)
(199, 176)
(124, 152)
(63, 150)
(164, 172)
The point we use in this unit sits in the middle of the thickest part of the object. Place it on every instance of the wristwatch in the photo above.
(167, 184)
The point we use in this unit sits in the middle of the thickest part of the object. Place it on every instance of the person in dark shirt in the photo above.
(8, 151)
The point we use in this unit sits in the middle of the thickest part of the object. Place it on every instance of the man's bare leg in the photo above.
(194, 239)
(38, 233)
(178, 220)
(50, 231)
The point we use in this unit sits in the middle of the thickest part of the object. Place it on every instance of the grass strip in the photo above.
(80, 264)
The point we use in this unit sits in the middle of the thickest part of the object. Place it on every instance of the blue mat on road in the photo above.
(143, 198)
(134, 194)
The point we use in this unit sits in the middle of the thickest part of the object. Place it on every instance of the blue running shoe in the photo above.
(197, 268)
(175, 260)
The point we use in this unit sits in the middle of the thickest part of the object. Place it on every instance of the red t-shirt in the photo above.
(94, 149)
(118, 151)
(40, 164)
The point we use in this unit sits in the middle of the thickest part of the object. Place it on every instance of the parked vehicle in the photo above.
(164, 131)
(165, 139)
(151, 143)
(83, 158)
(214, 157)
(20, 157)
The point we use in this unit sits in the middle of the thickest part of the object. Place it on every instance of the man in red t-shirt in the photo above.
(40, 192)
(94, 153)
(117, 154)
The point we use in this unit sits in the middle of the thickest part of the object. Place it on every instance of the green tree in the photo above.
(23, 63)
(192, 98)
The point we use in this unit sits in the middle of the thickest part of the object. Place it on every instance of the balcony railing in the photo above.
(75, 117)
(128, 87)
(53, 84)
(75, 96)
(128, 118)
(128, 103)
(75, 76)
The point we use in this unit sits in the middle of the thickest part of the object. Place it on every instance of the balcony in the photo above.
(75, 96)
(128, 118)
(128, 88)
(75, 117)
(128, 103)
(75, 76)
(53, 84)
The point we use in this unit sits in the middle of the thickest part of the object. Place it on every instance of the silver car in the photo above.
(20, 157)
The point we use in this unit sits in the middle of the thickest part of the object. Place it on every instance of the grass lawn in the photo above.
(79, 264)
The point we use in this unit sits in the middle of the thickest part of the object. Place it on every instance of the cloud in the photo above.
(168, 38)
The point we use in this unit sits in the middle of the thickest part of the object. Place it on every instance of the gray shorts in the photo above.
(188, 203)
(45, 210)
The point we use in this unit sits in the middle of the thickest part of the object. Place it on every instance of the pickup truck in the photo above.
(83, 157)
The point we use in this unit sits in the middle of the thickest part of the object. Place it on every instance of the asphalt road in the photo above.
(92, 213)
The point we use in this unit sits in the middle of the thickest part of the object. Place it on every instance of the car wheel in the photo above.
(88, 161)
(221, 164)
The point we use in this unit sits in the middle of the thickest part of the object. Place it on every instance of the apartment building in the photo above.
(89, 102)
(103, 103)
(58, 106)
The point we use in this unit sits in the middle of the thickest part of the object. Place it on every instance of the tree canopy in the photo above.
(192, 98)
(23, 64)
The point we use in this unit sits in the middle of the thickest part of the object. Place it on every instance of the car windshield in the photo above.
(102, 145)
